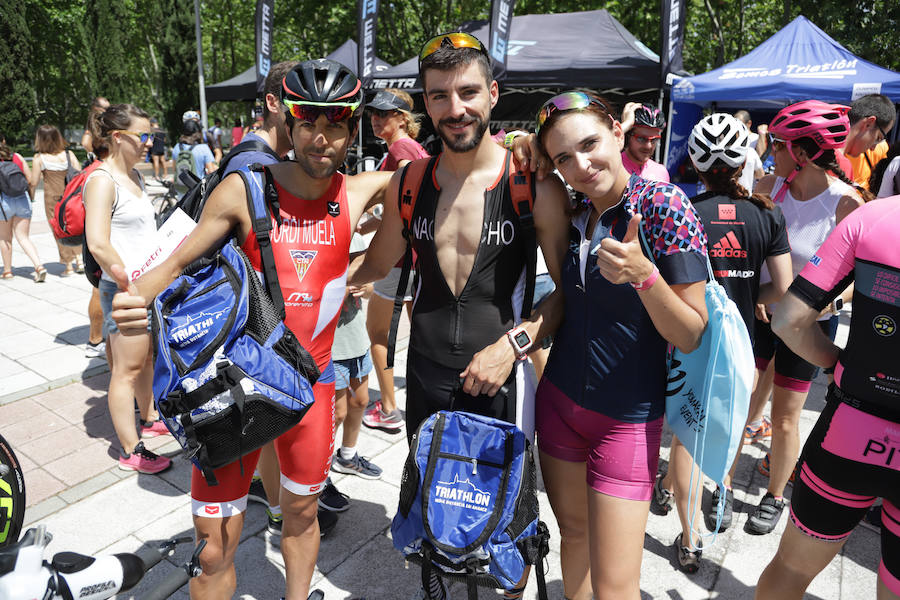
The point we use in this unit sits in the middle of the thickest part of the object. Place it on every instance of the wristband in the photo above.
(508, 140)
(647, 283)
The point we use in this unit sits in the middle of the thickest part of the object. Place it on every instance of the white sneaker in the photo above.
(97, 350)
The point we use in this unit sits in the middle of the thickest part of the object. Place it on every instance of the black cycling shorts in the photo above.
(431, 387)
(791, 371)
(851, 458)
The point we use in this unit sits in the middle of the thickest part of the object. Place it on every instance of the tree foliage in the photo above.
(59, 54)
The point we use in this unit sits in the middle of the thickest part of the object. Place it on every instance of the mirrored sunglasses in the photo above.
(565, 101)
(335, 112)
(456, 40)
(142, 135)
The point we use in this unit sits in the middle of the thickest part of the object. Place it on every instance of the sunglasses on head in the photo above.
(564, 102)
(335, 112)
(456, 40)
(143, 135)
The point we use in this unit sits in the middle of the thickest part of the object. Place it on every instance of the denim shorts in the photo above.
(108, 289)
(15, 206)
(351, 368)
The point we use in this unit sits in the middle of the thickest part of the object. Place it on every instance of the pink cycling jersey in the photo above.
(863, 249)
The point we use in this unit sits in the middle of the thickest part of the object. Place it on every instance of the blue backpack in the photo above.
(468, 504)
(229, 376)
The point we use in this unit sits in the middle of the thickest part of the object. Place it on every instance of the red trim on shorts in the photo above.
(890, 518)
(790, 383)
(815, 534)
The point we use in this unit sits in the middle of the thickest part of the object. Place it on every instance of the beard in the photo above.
(318, 170)
(459, 143)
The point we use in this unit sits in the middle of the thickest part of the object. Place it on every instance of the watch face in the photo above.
(522, 339)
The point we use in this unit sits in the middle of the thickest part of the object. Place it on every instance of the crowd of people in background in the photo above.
(625, 254)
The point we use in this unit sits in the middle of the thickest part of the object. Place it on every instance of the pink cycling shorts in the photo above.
(621, 457)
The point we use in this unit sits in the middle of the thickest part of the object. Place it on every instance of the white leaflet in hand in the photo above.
(172, 233)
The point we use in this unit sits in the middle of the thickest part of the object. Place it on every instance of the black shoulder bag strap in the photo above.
(248, 146)
(522, 193)
(400, 293)
(262, 225)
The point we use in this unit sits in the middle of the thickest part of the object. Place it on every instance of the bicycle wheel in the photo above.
(12, 495)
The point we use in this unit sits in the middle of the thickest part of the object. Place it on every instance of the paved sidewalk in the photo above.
(53, 412)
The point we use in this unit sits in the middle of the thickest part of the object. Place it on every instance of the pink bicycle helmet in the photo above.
(825, 124)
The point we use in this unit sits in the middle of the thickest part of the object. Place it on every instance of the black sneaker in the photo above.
(274, 523)
(332, 500)
(726, 514)
(765, 517)
(257, 492)
(327, 521)
(316, 595)
(688, 560)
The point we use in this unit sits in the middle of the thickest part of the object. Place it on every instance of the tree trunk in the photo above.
(717, 28)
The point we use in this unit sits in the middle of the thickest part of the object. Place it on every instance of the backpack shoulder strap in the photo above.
(261, 195)
(411, 177)
(410, 184)
(522, 192)
(248, 146)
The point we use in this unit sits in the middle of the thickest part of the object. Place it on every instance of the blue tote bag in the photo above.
(708, 390)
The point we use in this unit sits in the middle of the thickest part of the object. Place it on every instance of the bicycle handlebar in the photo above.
(71, 575)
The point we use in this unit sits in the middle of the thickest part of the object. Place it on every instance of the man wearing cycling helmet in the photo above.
(320, 207)
(641, 139)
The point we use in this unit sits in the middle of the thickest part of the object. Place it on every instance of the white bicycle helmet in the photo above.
(191, 115)
(718, 140)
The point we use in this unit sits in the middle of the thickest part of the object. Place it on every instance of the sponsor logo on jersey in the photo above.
(727, 212)
(728, 247)
(303, 260)
(299, 299)
(884, 325)
(735, 273)
(462, 493)
(815, 260)
(334, 208)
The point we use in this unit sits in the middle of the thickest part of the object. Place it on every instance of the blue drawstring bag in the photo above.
(708, 390)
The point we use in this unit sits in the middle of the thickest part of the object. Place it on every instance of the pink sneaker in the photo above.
(151, 429)
(375, 418)
(143, 461)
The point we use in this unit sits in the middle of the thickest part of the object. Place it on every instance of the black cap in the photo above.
(385, 100)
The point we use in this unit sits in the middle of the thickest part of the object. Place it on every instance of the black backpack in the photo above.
(194, 198)
(12, 180)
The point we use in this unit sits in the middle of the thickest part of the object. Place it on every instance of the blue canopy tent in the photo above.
(799, 62)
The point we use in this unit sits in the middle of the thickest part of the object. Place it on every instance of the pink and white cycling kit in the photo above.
(852, 455)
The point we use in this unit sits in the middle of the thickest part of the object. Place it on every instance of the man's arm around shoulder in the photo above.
(388, 245)
(225, 210)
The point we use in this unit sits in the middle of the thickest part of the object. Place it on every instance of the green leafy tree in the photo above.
(18, 101)
(177, 62)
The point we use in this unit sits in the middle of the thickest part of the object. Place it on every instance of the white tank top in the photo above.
(809, 222)
(56, 162)
(132, 231)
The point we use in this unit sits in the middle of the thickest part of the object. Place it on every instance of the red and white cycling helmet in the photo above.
(825, 124)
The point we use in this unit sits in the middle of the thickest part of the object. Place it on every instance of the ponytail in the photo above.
(101, 124)
(828, 161)
(724, 180)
